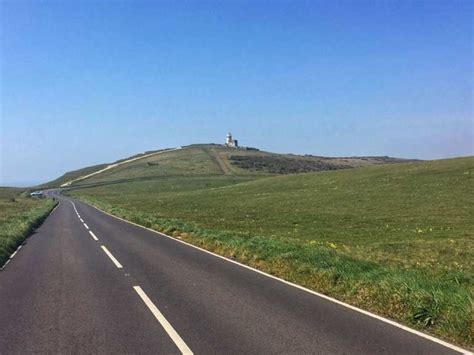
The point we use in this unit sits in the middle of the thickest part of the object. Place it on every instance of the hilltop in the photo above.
(211, 160)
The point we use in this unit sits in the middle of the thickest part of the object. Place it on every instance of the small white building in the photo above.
(231, 142)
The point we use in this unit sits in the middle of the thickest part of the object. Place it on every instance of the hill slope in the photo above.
(211, 160)
(72, 175)
(396, 239)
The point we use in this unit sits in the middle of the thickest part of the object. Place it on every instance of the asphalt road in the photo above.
(125, 289)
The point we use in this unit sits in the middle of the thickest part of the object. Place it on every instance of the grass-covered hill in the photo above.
(213, 160)
(71, 175)
(395, 239)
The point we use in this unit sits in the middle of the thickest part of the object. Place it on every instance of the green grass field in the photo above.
(394, 239)
(19, 215)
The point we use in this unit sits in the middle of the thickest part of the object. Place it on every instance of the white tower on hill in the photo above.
(230, 142)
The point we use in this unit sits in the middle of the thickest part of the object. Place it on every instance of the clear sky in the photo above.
(91, 82)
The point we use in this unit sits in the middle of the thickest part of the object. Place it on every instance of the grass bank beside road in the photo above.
(19, 216)
(397, 240)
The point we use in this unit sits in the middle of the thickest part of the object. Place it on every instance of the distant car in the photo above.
(36, 194)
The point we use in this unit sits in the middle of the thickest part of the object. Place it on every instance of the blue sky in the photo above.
(91, 82)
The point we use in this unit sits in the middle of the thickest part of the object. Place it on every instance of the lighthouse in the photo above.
(231, 142)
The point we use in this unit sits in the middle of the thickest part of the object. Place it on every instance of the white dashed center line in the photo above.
(109, 254)
(85, 225)
(93, 235)
(164, 323)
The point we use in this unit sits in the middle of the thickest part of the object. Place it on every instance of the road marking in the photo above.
(5, 265)
(73, 205)
(16, 251)
(343, 304)
(164, 323)
(93, 235)
(85, 225)
(109, 254)
(81, 220)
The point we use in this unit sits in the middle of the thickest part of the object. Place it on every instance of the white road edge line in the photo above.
(85, 225)
(164, 323)
(93, 235)
(81, 220)
(109, 254)
(367, 313)
(15, 252)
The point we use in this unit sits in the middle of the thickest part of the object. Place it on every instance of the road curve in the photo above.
(86, 282)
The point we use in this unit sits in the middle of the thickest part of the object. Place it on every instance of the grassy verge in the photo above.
(19, 216)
